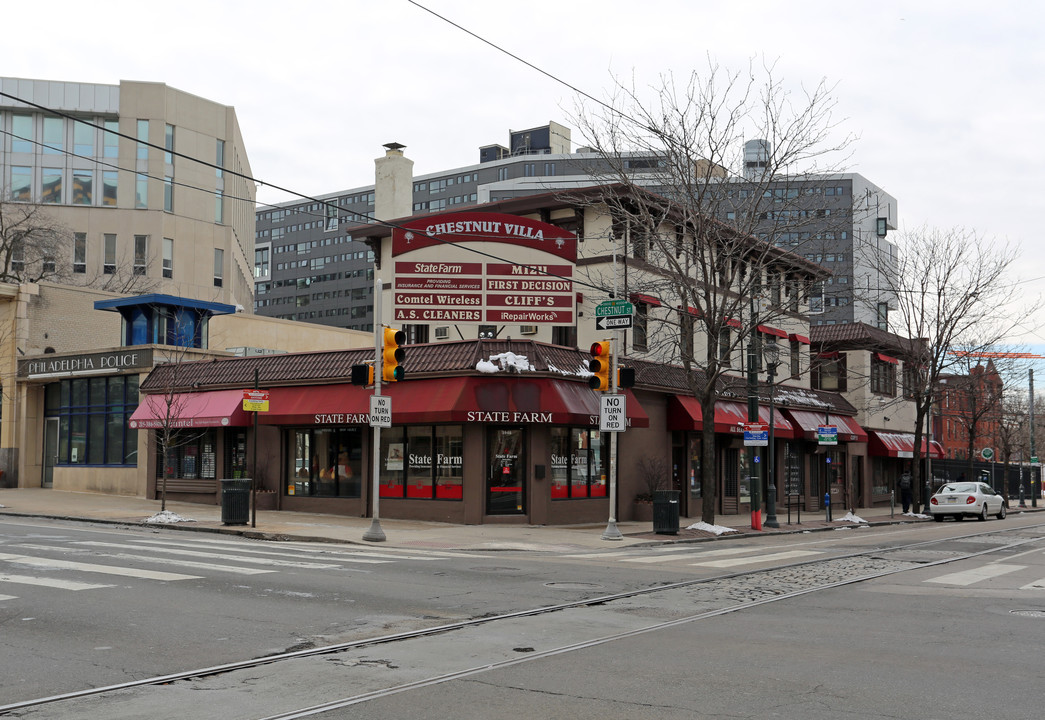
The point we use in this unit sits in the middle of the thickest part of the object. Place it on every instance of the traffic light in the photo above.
(393, 355)
(625, 377)
(600, 366)
(362, 374)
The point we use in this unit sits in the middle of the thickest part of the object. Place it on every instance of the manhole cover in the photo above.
(1029, 613)
(572, 586)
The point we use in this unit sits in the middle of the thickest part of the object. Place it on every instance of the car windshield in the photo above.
(958, 488)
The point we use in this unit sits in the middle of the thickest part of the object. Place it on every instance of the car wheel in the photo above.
(983, 514)
(938, 518)
(1002, 512)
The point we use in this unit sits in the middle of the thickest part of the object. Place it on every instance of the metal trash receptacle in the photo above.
(666, 512)
(235, 501)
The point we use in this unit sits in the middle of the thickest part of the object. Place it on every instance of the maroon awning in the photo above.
(684, 413)
(807, 422)
(215, 408)
(515, 400)
(899, 445)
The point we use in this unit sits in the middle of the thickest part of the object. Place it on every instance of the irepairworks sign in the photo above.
(483, 268)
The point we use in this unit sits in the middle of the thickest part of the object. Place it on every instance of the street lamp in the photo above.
(771, 352)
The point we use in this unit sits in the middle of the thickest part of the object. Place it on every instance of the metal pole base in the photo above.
(374, 533)
(611, 532)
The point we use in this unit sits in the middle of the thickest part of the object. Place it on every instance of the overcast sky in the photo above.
(946, 98)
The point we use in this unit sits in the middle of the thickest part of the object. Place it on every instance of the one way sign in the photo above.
(619, 322)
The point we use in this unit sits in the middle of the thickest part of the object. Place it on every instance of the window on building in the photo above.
(83, 181)
(638, 333)
(79, 252)
(141, 254)
(261, 262)
(326, 462)
(51, 185)
(110, 139)
(141, 191)
(21, 183)
(219, 207)
(22, 135)
(17, 256)
(911, 381)
(883, 377)
(168, 144)
(422, 462)
(168, 194)
(725, 350)
(83, 139)
(168, 257)
(219, 157)
(93, 415)
(219, 267)
(109, 183)
(49, 265)
(109, 254)
(54, 135)
(579, 457)
(828, 372)
(883, 316)
(796, 359)
(143, 137)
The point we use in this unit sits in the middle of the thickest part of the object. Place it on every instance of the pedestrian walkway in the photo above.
(315, 527)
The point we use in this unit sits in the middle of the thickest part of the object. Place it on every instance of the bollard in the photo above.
(892, 504)
(827, 505)
(1023, 499)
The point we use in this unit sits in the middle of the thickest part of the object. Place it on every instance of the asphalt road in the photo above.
(881, 648)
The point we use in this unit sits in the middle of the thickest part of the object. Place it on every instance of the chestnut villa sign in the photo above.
(521, 270)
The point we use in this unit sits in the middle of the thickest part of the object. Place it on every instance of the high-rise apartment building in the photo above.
(308, 268)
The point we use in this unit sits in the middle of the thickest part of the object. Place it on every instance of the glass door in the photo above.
(50, 451)
(506, 474)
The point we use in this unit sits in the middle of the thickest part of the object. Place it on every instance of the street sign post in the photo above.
(756, 435)
(256, 400)
(380, 411)
(617, 322)
(987, 453)
(614, 308)
(612, 413)
(827, 434)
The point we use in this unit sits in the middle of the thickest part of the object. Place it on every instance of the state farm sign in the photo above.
(483, 268)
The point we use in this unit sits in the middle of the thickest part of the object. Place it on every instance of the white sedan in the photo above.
(967, 499)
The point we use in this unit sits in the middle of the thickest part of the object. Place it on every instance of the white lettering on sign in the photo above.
(341, 418)
(513, 417)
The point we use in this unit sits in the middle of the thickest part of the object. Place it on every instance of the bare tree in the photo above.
(976, 394)
(1012, 433)
(953, 293)
(718, 249)
(33, 245)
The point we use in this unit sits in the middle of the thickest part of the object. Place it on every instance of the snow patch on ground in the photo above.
(850, 517)
(716, 529)
(920, 516)
(165, 517)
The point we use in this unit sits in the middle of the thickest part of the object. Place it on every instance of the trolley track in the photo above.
(713, 596)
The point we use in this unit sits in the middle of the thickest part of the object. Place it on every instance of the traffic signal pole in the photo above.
(374, 533)
(612, 532)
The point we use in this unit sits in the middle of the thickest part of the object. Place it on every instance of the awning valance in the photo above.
(885, 358)
(899, 445)
(645, 299)
(511, 400)
(795, 337)
(684, 413)
(767, 330)
(807, 422)
(214, 408)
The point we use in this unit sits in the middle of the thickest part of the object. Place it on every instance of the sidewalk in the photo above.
(310, 527)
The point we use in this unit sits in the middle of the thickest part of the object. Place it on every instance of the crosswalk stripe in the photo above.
(696, 553)
(156, 560)
(48, 582)
(968, 577)
(8, 597)
(223, 556)
(92, 567)
(1036, 585)
(733, 562)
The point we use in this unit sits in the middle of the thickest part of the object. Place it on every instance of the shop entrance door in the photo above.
(50, 451)
(506, 471)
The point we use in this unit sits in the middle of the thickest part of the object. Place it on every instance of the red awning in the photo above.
(886, 358)
(795, 337)
(765, 329)
(899, 445)
(646, 299)
(216, 408)
(459, 400)
(340, 404)
(684, 413)
(807, 422)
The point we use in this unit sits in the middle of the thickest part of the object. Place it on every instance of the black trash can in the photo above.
(666, 512)
(235, 501)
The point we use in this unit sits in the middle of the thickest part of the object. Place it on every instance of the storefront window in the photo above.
(693, 467)
(192, 456)
(326, 462)
(236, 455)
(579, 461)
(422, 463)
(93, 415)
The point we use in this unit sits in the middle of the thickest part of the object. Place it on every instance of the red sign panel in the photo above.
(529, 279)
